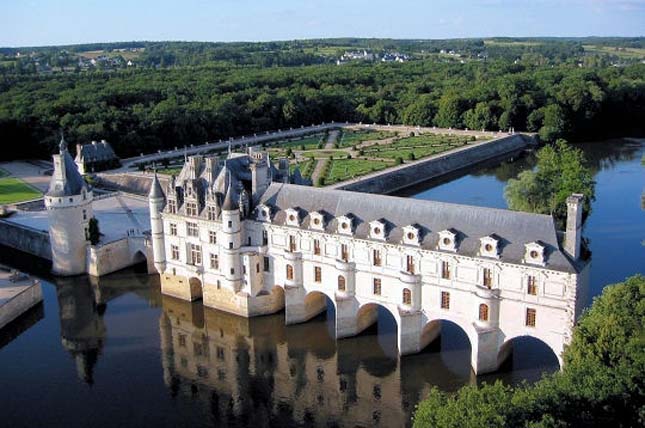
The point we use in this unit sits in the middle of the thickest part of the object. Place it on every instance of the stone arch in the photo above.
(367, 315)
(195, 288)
(452, 353)
(506, 350)
(278, 297)
(432, 330)
(140, 262)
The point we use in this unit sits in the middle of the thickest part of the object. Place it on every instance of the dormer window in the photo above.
(263, 213)
(411, 235)
(293, 217)
(534, 253)
(377, 230)
(489, 246)
(317, 221)
(448, 240)
(345, 225)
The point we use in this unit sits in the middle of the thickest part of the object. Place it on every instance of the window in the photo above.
(530, 317)
(316, 247)
(212, 237)
(445, 270)
(265, 237)
(195, 254)
(191, 209)
(192, 229)
(257, 268)
(377, 286)
(214, 261)
(445, 300)
(84, 215)
(230, 245)
(212, 213)
(289, 272)
(407, 296)
(173, 229)
(341, 283)
(483, 312)
(344, 252)
(376, 257)
(292, 243)
(230, 224)
(172, 207)
(317, 274)
(409, 264)
(267, 267)
(531, 286)
(174, 252)
(488, 278)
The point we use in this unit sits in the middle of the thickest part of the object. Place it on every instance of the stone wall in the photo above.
(397, 178)
(25, 239)
(20, 303)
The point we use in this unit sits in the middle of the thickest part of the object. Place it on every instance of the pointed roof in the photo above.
(69, 181)
(155, 188)
(231, 203)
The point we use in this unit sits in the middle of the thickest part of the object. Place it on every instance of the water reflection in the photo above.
(255, 372)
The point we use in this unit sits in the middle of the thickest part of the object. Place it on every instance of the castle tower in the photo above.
(157, 200)
(69, 209)
(260, 173)
(573, 234)
(231, 232)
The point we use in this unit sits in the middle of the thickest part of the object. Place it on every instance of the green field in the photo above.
(13, 190)
(631, 53)
(345, 169)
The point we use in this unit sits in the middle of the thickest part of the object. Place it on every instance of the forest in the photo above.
(550, 90)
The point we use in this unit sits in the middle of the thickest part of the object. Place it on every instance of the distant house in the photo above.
(97, 156)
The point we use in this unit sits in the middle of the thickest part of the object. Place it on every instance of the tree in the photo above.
(555, 123)
(93, 231)
(449, 113)
(560, 171)
(479, 117)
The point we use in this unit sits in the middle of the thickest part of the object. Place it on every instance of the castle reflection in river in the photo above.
(258, 372)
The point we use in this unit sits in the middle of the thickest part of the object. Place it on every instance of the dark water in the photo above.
(115, 352)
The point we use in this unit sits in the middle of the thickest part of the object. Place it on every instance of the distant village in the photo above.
(65, 61)
(364, 55)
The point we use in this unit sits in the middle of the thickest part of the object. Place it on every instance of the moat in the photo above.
(115, 352)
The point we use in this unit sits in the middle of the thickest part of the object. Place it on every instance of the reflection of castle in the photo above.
(82, 303)
(256, 370)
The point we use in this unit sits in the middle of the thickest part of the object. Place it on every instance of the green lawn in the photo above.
(351, 138)
(345, 169)
(306, 168)
(13, 190)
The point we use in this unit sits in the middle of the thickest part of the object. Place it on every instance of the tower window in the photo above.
(230, 224)
(376, 258)
(212, 237)
(377, 286)
(289, 272)
(407, 296)
(530, 317)
(317, 274)
(483, 312)
(230, 245)
(531, 287)
(487, 278)
(445, 300)
(341, 283)
(445, 270)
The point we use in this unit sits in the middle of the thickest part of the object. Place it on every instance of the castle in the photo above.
(239, 235)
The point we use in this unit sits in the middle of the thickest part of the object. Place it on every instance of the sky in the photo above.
(57, 22)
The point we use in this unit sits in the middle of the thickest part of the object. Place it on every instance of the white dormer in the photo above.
(411, 235)
(293, 217)
(489, 246)
(447, 240)
(317, 221)
(345, 225)
(534, 253)
(377, 230)
(263, 213)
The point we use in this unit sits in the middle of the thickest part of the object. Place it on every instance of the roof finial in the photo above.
(62, 146)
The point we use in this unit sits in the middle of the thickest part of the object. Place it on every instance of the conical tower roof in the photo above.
(230, 201)
(155, 189)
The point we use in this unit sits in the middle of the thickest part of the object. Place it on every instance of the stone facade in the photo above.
(247, 242)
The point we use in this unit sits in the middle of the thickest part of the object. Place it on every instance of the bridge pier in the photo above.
(350, 320)
(485, 350)
(300, 307)
(409, 332)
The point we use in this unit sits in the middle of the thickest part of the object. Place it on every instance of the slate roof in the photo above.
(73, 184)
(95, 152)
(155, 188)
(515, 229)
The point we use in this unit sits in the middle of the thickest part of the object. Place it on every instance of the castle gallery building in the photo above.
(238, 235)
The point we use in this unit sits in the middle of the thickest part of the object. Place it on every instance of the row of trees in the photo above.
(601, 384)
(149, 109)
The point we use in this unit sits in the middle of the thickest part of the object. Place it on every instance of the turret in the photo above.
(573, 234)
(231, 233)
(260, 173)
(69, 210)
(157, 200)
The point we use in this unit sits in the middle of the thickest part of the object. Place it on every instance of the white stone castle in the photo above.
(238, 235)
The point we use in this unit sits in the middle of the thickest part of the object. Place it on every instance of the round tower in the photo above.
(157, 200)
(231, 232)
(69, 210)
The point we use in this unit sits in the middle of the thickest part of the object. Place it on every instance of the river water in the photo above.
(115, 352)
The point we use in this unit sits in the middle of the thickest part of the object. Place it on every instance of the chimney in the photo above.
(573, 233)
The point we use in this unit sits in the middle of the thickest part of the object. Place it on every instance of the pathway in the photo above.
(321, 163)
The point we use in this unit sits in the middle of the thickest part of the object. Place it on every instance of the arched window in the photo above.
(341, 283)
(407, 296)
(483, 312)
(289, 272)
